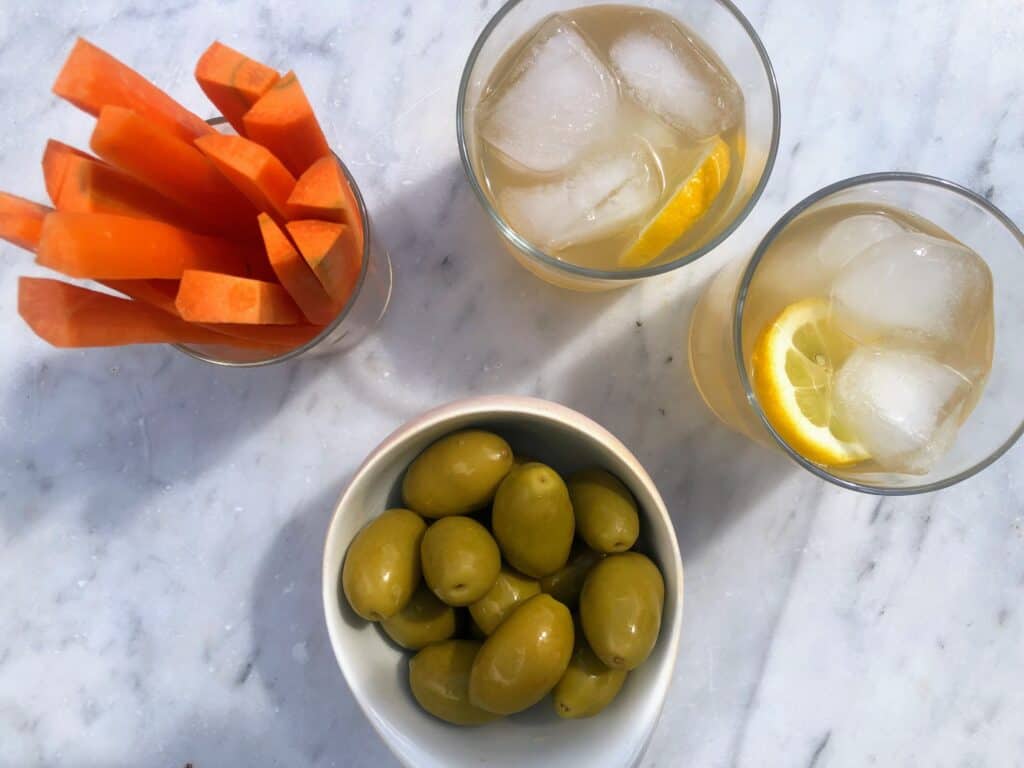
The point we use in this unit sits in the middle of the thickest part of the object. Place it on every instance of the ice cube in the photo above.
(667, 73)
(660, 137)
(904, 407)
(554, 103)
(854, 235)
(915, 290)
(605, 194)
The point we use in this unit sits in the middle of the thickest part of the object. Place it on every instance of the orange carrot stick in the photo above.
(162, 294)
(107, 247)
(323, 192)
(283, 121)
(92, 79)
(211, 297)
(94, 187)
(283, 337)
(57, 158)
(174, 168)
(252, 169)
(21, 221)
(156, 293)
(68, 316)
(330, 250)
(295, 274)
(233, 81)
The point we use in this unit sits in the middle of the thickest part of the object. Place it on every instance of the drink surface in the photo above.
(610, 137)
(868, 337)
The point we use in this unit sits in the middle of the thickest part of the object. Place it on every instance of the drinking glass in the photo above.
(723, 333)
(727, 32)
(365, 308)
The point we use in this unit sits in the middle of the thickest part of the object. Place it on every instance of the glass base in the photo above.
(360, 318)
(562, 279)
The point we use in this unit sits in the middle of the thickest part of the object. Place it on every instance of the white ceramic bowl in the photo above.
(377, 672)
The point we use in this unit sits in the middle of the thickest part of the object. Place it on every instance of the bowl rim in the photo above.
(489, 406)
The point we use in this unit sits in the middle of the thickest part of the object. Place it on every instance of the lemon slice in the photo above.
(689, 203)
(793, 364)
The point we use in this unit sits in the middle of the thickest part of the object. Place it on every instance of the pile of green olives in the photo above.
(508, 582)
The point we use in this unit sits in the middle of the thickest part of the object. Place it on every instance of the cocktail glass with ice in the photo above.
(614, 142)
(874, 335)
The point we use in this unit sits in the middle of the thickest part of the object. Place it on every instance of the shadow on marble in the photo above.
(107, 431)
(639, 386)
(291, 653)
(465, 318)
(298, 709)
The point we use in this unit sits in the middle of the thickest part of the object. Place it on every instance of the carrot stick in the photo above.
(211, 297)
(91, 186)
(57, 158)
(279, 336)
(69, 316)
(156, 293)
(283, 121)
(323, 192)
(107, 247)
(162, 294)
(330, 250)
(252, 169)
(174, 168)
(295, 274)
(21, 221)
(92, 79)
(233, 81)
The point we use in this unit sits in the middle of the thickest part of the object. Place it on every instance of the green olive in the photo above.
(620, 609)
(382, 566)
(587, 686)
(439, 678)
(525, 657)
(461, 560)
(606, 514)
(508, 592)
(423, 621)
(566, 583)
(457, 475)
(533, 521)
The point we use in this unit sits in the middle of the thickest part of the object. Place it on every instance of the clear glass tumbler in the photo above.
(727, 32)
(723, 333)
(364, 310)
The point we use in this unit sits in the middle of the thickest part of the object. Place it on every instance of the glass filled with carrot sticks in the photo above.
(242, 240)
(336, 326)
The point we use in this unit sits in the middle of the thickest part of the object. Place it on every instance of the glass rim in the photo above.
(328, 329)
(624, 275)
(740, 304)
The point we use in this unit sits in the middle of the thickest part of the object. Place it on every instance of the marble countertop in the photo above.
(161, 521)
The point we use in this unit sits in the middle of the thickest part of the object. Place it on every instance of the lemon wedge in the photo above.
(690, 202)
(793, 365)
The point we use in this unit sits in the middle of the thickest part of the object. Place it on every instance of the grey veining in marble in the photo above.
(161, 521)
